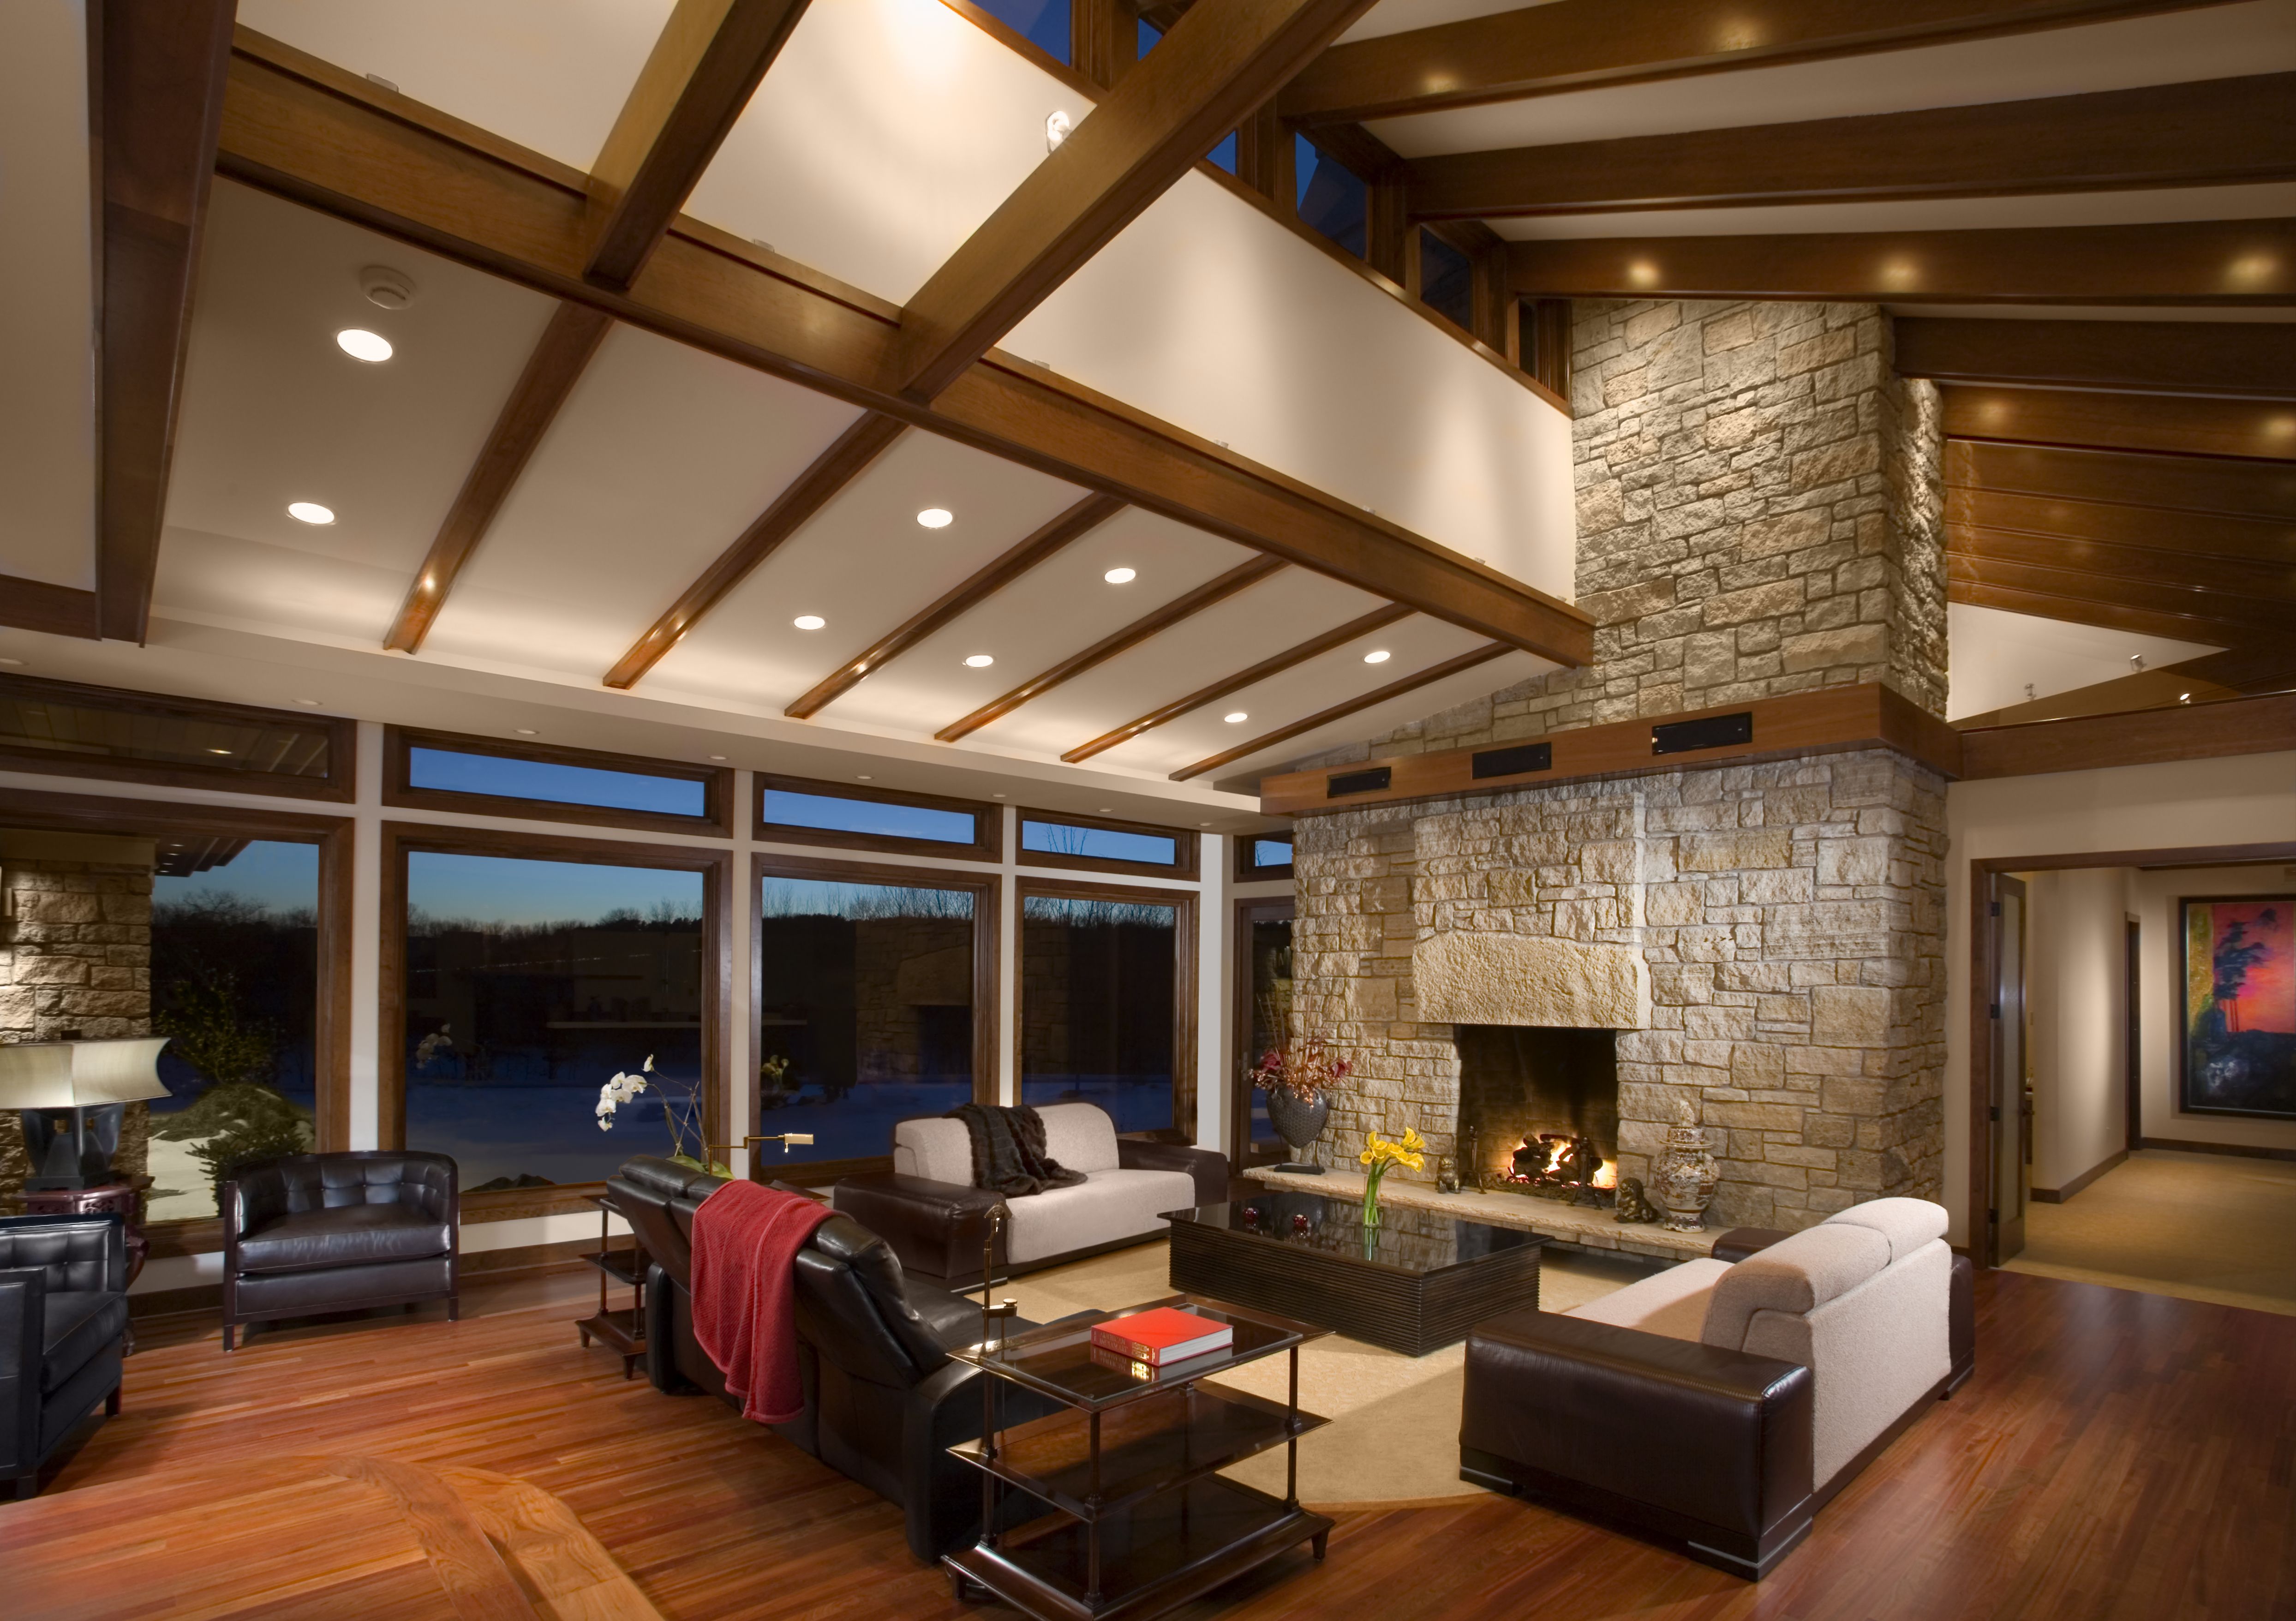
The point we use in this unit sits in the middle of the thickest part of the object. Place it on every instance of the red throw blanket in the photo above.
(745, 1243)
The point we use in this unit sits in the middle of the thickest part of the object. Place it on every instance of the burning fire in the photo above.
(1608, 1176)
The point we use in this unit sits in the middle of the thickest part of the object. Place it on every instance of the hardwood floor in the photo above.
(2117, 1455)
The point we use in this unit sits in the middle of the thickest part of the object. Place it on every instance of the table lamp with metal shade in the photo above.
(57, 1085)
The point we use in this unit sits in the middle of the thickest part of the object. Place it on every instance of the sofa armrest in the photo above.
(23, 1320)
(1716, 1441)
(1208, 1166)
(1735, 1245)
(936, 1228)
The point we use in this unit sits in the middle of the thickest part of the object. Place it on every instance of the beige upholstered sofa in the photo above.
(936, 1220)
(1720, 1403)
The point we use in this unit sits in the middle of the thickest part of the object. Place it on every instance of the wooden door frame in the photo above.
(2132, 1032)
(1240, 1044)
(1979, 1090)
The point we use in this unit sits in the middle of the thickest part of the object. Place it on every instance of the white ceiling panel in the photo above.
(2218, 42)
(864, 564)
(274, 412)
(1280, 611)
(2161, 207)
(1335, 678)
(548, 74)
(1059, 608)
(884, 134)
(2001, 658)
(227, 579)
(47, 360)
(660, 458)
(1400, 16)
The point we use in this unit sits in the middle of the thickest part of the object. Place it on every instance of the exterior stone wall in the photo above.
(1760, 511)
(75, 954)
(1791, 916)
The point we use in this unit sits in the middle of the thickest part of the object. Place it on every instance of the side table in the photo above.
(623, 1328)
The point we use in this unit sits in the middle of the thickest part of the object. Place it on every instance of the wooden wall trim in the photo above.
(2261, 724)
(2245, 1150)
(1866, 715)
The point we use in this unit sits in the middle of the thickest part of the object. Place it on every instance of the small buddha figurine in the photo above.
(1446, 1174)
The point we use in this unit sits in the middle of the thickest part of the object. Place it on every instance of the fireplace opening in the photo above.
(1538, 1111)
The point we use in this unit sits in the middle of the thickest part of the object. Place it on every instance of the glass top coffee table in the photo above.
(1139, 1519)
(1417, 1282)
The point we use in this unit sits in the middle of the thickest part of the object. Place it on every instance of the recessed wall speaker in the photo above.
(1340, 784)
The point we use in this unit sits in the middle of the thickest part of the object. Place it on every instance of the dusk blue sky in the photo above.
(283, 877)
(500, 889)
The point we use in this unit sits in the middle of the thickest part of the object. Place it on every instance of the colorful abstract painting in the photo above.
(2239, 1050)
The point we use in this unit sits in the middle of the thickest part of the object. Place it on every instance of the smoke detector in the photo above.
(385, 287)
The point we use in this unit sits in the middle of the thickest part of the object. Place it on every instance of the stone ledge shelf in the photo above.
(1566, 1223)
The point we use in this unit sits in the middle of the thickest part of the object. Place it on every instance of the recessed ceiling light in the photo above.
(1120, 577)
(308, 703)
(717, 756)
(1236, 717)
(2181, 697)
(13, 664)
(864, 777)
(311, 511)
(1378, 655)
(936, 518)
(218, 751)
(809, 621)
(997, 795)
(980, 661)
(526, 731)
(1108, 810)
(360, 344)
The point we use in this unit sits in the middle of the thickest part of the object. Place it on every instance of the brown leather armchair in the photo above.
(63, 1330)
(305, 1233)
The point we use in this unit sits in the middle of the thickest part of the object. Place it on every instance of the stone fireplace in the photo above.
(1758, 513)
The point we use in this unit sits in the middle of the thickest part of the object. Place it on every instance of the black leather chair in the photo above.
(307, 1234)
(883, 1401)
(63, 1332)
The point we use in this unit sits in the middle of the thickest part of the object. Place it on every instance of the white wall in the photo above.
(2155, 895)
(2244, 800)
(2076, 1000)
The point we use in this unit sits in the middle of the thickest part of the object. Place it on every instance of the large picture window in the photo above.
(1107, 1001)
(530, 971)
(873, 1003)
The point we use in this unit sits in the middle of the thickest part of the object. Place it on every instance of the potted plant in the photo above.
(1297, 1079)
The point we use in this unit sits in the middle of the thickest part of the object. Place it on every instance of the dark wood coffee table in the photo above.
(1139, 1518)
(1417, 1281)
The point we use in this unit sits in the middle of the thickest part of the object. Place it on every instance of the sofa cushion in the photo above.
(342, 1235)
(1672, 1303)
(1908, 1223)
(79, 1323)
(1795, 1276)
(936, 1150)
(1079, 1137)
(1107, 1208)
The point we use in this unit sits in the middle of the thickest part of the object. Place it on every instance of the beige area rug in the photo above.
(2213, 1227)
(1394, 1434)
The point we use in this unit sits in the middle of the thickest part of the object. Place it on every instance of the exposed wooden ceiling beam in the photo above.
(2186, 534)
(2180, 425)
(2239, 489)
(330, 140)
(2226, 262)
(1340, 711)
(1080, 521)
(2259, 616)
(60, 610)
(1184, 606)
(157, 76)
(552, 371)
(1223, 59)
(703, 68)
(2261, 577)
(2127, 356)
(811, 490)
(1379, 619)
(1577, 44)
(2213, 132)
(2153, 621)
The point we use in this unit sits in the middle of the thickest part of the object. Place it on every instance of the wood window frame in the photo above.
(1184, 937)
(331, 1022)
(1249, 910)
(401, 839)
(1246, 872)
(339, 785)
(399, 790)
(1186, 847)
(988, 821)
(987, 891)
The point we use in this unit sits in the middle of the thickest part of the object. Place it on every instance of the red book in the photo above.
(1165, 1334)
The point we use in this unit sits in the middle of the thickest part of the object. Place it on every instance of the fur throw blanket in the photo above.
(1008, 1150)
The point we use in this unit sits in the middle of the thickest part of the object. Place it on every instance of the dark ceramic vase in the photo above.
(1298, 1123)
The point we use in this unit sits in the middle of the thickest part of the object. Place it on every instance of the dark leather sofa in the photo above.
(63, 1331)
(307, 1234)
(883, 1401)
